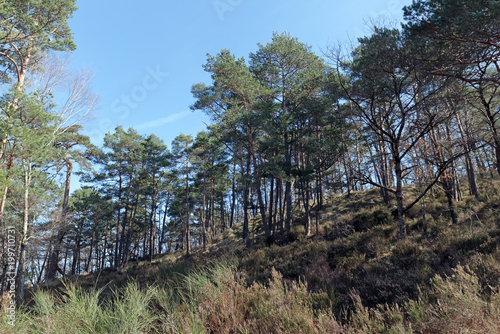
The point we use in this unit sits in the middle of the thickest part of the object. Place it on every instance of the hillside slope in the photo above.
(352, 275)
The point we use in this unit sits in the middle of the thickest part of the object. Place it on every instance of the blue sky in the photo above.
(146, 55)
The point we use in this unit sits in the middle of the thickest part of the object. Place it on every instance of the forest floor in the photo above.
(352, 275)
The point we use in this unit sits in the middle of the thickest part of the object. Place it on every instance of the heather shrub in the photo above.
(454, 304)
(406, 254)
(381, 319)
(218, 300)
(296, 232)
(343, 254)
(339, 230)
(367, 218)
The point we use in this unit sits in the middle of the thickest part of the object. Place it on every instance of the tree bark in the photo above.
(53, 265)
(119, 206)
(188, 232)
(246, 202)
(288, 187)
(24, 234)
(152, 215)
(233, 195)
(399, 195)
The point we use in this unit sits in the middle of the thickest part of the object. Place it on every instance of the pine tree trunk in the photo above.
(152, 226)
(492, 123)
(288, 187)
(448, 190)
(271, 203)
(281, 206)
(164, 226)
(222, 213)
(76, 252)
(10, 164)
(24, 234)
(25, 63)
(246, 202)
(128, 242)
(307, 207)
(53, 266)
(105, 245)
(233, 196)
(399, 195)
(89, 259)
(188, 232)
(469, 165)
(119, 204)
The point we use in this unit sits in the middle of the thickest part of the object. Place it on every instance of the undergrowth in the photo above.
(354, 276)
(217, 300)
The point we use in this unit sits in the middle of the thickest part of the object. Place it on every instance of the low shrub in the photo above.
(381, 319)
(406, 254)
(219, 301)
(296, 232)
(339, 230)
(454, 304)
(368, 218)
(469, 244)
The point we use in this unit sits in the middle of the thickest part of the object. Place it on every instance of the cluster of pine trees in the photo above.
(414, 106)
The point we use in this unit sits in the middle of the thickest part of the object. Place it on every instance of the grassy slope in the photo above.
(354, 276)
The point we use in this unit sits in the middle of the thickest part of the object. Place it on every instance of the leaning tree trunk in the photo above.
(26, 62)
(53, 266)
(490, 115)
(233, 196)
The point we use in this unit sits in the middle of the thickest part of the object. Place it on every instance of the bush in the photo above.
(339, 230)
(372, 245)
(382, 319)
(79, 311)
(469, 244)
(454, 304)
(344, 256)
(296, 232)
(406, 255)
(218, 301)
(256, 262)
(366, 219)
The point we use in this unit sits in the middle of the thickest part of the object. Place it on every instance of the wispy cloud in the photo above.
(162, 121)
